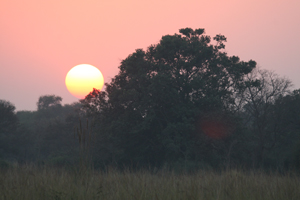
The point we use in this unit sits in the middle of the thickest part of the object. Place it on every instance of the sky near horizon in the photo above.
(40, 41)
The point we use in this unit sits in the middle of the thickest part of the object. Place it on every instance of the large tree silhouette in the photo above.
(151, 108)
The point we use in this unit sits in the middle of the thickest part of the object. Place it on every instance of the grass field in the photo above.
(30, 183)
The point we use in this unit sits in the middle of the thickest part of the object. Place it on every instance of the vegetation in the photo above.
(182, 104)
(28, 182)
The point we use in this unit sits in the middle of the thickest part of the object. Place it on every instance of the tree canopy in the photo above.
(8, 117)
(154, 103)
(47, 101)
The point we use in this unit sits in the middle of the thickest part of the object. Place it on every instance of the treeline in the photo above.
(182, 104)
(45, 136)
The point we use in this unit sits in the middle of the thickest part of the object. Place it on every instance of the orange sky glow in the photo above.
(40, 41)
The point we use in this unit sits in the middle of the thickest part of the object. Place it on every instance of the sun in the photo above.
(81, 80)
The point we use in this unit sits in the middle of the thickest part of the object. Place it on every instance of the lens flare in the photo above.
(216, 126)
(214, 129)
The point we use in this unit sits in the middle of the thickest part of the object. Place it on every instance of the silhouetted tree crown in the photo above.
(8, 117)
(48, 101)
(152, 105)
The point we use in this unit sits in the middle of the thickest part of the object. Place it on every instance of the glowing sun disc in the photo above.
(81, 80)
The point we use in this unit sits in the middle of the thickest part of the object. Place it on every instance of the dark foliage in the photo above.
(154, 110)
(181, 104)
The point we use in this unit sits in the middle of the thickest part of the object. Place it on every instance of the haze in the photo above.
(40, 41)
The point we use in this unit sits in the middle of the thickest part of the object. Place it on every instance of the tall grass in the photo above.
(29, 183)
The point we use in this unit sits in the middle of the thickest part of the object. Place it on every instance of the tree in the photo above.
(8, 117)
(48, 101)
(8, 127)
(150, 110)
(91, 103)
(48, 106)
(285, 121)
(263, 89)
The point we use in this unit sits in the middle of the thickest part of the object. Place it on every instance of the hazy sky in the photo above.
(40, 41)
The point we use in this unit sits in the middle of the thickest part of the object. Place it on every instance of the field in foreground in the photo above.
(29, 183)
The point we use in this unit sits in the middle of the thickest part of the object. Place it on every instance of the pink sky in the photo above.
(40, 41)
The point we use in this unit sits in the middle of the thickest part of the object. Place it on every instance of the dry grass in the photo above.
(30, 183)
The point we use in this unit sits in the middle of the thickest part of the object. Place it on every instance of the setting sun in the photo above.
(82, 78)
